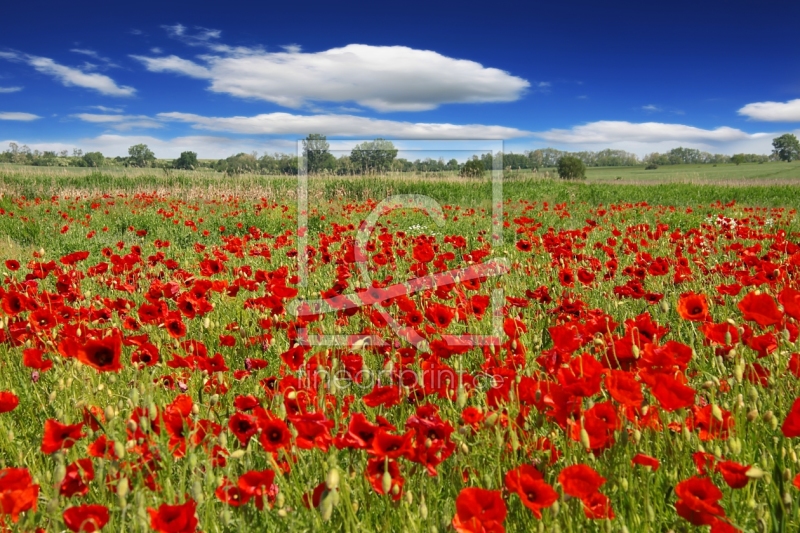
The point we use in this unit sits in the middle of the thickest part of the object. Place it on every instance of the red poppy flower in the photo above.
(377, 467)
(86, 518)
(697, 501)
(101, 354)
(760, 308)
(624, 388)
(174, 518)
(274, 434)
(531, 488)
(734, 474)
(12, 265)
(17, 493)
(580, 481)
(59, 436)
(646, 460)
(8, 401)
(259, 485)
(439, 314)
(76, 481)
(790, 300)
(597, 506)
(243, 427)
(32, 358)
(387, 396)
(672, 394)
(791, 425)
(479, 511)
(693, 307)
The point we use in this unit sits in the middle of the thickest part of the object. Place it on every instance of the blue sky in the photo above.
(644, 77)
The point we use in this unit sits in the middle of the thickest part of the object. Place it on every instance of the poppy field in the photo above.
(160, 368)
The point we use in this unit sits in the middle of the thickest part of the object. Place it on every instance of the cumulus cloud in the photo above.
(610, 131)
(69, 76)
(383, 78)
(341, 125)
(773, 111)
(119, 122)
(24, 117)
(6, 90)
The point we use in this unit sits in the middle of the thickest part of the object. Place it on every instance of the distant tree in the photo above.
(187, 161)
(452, 164)
(738, 159)
(373, 156)
(317, 154)
(474, 168)
(571, 168)
(93, 159)
(141, 155)
(787, 147)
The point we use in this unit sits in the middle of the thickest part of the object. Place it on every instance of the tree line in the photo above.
(380, 156)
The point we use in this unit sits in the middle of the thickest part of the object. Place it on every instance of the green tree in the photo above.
(738, 159)
(473, 168)
(141, 155)
(786, 147)
(571, 168)
(374, 156)
(187, 160)
(93, 159)
(317, 154)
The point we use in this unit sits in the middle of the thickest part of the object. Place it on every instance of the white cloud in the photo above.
(107, 109)
(609, 131)
(25, 117)
(70, 76)
(341, 125)
(174, 64)
(383, 78)
(773, 111)
(6, 90)
(120, 122)
(651, 107)
(644, 138)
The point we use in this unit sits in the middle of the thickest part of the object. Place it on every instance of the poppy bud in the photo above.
(386, 479)
(423, 509)
(716, 412)
(122, 488)
(664, 306)
(197, 491)
(280, 500)
(754, 473)
(635, 351)
(752, 414)
(326, 506)
(238, 454)
(332, 479)
(119, 449)
(585, 439)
